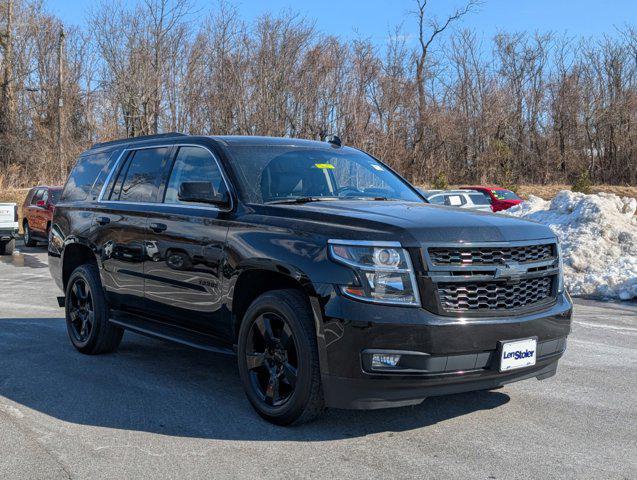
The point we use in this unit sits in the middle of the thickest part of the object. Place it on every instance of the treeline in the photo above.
(434, 101)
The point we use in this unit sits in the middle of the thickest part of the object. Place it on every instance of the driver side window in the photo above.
(196, 165)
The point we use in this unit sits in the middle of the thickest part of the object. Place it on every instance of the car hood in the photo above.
(409, 222)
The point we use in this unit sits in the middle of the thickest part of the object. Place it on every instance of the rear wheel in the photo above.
(87, 313)
(6, 248)
(278, 358)
(28, 238)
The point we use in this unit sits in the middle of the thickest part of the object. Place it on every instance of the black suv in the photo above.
(328, 276)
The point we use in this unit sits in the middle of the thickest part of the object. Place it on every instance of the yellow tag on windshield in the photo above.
(324, 166)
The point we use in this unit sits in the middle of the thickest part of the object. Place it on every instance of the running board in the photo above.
(171, 333)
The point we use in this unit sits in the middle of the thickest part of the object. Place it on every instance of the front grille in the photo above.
(491, 255)
(494, 295)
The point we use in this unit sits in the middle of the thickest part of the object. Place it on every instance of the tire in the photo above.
(6, 248)
(28, 239)
(87, 312)
(290, 317)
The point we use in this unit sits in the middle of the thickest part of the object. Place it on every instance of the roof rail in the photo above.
(143, 137)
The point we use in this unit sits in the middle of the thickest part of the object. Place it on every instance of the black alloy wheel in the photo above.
(271, 357)
(278, 358)
(81, 311)
(87, 313)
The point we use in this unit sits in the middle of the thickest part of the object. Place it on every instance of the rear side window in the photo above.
(194, 164)
(479, 199)
(37, 196)
(139, 179)
(83, 176)
(454, 200)
(29, 200)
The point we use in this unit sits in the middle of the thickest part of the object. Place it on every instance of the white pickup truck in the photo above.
(8, 227)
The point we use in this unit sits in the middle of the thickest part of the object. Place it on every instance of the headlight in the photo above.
(384, 270)
(560, 275)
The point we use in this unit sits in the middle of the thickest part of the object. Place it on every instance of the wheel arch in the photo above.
(74, 255)
(254, 282)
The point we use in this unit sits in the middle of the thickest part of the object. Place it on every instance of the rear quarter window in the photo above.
(479, 199)
(85, 175)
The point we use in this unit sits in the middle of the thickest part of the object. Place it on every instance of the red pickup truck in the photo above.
(37, 211)
(500, 198)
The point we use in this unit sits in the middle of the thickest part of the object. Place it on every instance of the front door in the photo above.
(185, 248)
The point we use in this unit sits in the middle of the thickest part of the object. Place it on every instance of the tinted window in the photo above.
(37, 196)
(139, 180)
(479, 199)
(194, 164)
(83, 176)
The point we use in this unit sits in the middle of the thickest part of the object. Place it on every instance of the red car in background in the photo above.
(501, 198)
(37, 211)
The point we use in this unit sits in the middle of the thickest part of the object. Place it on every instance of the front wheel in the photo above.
(278, 358)
(87, 313)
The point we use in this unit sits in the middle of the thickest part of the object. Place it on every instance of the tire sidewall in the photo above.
(9, 247)
(86, 273)
(292, 408)
(27, 234)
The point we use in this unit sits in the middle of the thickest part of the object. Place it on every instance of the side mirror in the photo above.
(40, 203)
(201, 192)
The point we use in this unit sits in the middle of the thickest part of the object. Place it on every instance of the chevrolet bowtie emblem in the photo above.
(510, 271)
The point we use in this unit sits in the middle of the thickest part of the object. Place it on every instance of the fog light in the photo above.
(385, 360)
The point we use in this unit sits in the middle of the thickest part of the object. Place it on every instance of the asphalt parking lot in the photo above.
(157, 410)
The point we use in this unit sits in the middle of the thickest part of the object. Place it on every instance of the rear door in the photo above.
(120, 223)
(185, 248)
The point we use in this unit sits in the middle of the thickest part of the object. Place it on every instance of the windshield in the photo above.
(271, 174)
(505, 195)
(54, 196)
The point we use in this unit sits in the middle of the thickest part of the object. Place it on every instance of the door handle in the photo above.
(158, 227)
(103, 220)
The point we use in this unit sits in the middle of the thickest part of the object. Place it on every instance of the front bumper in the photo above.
(461, 354)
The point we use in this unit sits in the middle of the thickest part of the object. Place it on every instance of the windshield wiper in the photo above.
(371, 199)
(301, 200)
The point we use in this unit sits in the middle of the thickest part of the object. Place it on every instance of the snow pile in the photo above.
(598, 234)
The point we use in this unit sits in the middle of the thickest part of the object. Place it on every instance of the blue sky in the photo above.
(374, 18)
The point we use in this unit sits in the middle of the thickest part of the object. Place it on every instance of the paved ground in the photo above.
(155, 410)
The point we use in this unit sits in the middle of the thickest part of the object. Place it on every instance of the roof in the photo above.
(447, 192)
(484, 187)
(228, 140)
(245, 140)
(50, 187)
(137, 139)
